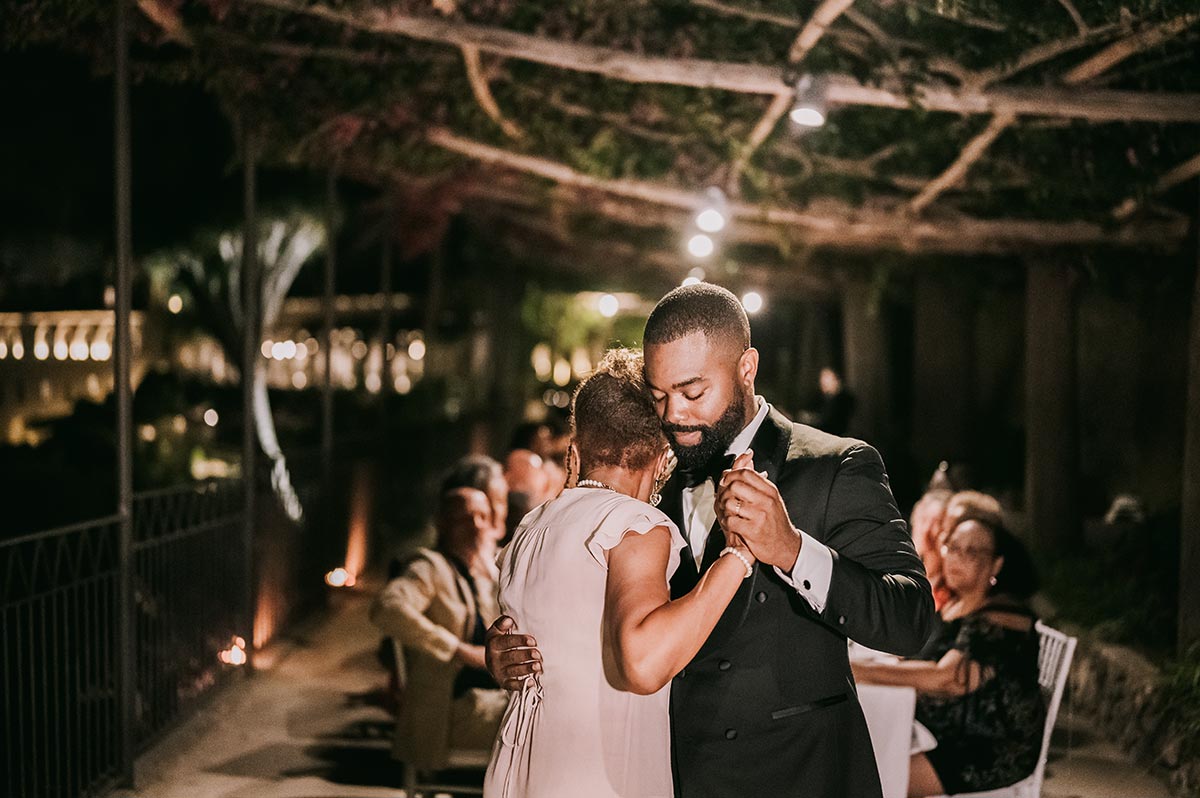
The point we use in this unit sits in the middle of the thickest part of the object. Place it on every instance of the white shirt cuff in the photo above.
(812, 572)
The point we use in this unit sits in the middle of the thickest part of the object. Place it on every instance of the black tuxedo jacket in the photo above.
(768, 706)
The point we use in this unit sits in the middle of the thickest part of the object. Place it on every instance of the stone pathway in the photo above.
(310, 725)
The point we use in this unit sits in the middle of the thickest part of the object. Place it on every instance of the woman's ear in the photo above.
(572, 465)
(665, 464)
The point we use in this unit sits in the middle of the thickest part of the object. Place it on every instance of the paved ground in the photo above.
(311, 726)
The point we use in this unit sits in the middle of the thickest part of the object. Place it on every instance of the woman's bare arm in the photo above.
(647, 637)
(952, 675)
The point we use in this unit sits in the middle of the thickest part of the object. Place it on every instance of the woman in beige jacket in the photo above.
(438, 609)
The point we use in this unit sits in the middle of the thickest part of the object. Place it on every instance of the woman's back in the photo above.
(572, 733)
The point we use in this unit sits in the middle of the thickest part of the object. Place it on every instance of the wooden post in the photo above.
(1189, 526)
(943, 365)
(327, 322)
(1051, 412)
(251, 340)
(122, 362)
(866, 360)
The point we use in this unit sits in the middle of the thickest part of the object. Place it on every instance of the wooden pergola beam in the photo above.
(1089, 69)
(809, 35)
(1095, 105)
(1179, 174)
(864, 230)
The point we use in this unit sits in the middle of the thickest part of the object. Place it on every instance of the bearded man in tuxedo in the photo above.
(768, 706)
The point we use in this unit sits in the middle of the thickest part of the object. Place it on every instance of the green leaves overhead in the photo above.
(320, 90)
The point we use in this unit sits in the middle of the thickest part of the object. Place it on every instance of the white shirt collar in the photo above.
(742, 442)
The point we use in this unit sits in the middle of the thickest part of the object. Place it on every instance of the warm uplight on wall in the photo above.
(416, 349)
(210, 417)
(18, 349)
(562, 372)
(175, 303)
(752, 301)
(339, 577)
(101, 349)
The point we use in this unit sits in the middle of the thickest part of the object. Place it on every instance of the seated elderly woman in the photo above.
(976, 680)
(438, 608)
(925, 525)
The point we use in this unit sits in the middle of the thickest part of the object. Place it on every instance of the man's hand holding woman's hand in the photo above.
(751, 510)
(511, 657)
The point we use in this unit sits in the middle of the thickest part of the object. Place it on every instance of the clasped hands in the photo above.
(751, 513)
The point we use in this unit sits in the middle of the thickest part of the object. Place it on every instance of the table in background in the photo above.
(889, 713)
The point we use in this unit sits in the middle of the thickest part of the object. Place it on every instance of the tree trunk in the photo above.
(1051, 405)
(866, 361)
(943, 361)
(1189, 527)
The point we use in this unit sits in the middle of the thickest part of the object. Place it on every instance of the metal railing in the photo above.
(187, 597)
(60, 661)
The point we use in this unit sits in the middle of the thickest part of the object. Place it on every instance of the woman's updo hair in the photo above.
(613, 419)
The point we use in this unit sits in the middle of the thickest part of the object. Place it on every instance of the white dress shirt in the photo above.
(813, 570)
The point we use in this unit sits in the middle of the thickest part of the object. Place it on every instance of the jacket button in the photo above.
(760, 596)
(724, 665)
(841, 620)
(682, 672)
(731, 734)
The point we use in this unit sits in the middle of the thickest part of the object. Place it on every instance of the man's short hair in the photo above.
(700, 307)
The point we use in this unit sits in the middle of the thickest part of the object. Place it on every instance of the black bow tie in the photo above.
(712, 471)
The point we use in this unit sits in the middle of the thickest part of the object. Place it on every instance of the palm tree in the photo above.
(213, 277)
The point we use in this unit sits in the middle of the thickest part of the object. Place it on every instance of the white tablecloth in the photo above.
(889, 713)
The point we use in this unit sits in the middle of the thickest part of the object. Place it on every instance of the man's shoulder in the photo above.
(419, 560)
(810, 443)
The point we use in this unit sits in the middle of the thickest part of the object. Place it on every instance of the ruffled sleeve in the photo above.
(636, 517)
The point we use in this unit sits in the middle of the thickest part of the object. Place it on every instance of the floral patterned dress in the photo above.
(992, 736)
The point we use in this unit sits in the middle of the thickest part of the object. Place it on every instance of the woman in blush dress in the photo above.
(587, 574)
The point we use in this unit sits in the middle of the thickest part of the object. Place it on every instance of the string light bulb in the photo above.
(714, 213)
(700, 246)
(809, 107)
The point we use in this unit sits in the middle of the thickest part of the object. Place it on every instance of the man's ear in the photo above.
(748, 368)
(997, 566)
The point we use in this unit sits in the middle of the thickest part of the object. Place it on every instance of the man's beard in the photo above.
(714, 439)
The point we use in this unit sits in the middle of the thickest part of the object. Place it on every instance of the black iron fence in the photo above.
(187, 598)
(60, 661)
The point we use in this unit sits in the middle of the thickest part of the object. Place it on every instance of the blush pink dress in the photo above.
(568, 732)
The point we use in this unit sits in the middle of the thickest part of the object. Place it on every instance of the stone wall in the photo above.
(1122, 692)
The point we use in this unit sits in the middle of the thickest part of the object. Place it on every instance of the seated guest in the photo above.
(925, 524)
(528, 485)
(972, 504)
(976, 680)
(438, 607)
(481, 472)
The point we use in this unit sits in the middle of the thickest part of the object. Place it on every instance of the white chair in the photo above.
(415, 783)
(1055, 652)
